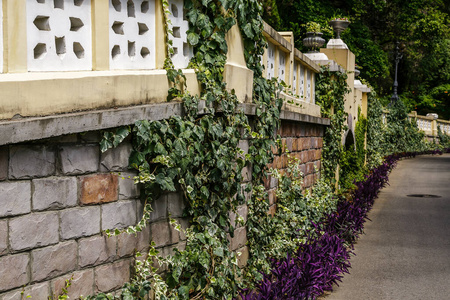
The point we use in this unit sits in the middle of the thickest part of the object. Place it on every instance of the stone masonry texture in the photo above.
(15, 198)
(78, 222)
(27, 162)
(3, 237)
(34, 230)
(127, 188)
(81, 284)
(111, 277)
(79, 159)
(118, 214)
(35, 291)
(99, 188)
(96, 250)
(13, 271)
(53, 261)
(54, 193)
(116, 159)
(3, 163)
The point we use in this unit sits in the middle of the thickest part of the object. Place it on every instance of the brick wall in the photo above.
(303, 141)
(57, 196)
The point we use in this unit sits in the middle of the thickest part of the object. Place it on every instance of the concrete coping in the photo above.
(277, 38)
(332, 65)
(36, 128)
(361, 87)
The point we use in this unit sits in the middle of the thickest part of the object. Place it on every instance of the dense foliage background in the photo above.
(421, 27)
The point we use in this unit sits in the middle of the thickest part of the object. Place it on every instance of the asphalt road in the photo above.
(405, 251)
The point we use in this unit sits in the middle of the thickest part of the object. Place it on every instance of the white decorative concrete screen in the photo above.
(59, 35)
(282, 66)
(182, 50)
(313, 85)
(132, 34)
(270, 66)
(301, 85)
(308, 85)
(294, 79)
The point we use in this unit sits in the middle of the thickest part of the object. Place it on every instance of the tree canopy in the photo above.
(421, 26)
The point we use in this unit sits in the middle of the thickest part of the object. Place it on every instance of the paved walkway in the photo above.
(405, 251)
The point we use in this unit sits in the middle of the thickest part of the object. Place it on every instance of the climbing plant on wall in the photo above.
(331, 88)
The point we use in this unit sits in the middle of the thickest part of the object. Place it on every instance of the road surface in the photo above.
(405, 251)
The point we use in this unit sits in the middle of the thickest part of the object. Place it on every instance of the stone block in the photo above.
(79, 159)
(246, 173)
(159, 209)
(242, 211)
(244, 145)
(272, 210)
(4, 154)
(53, 261)
(272, 197)
(99, 188)
(14, 271)
(243, 257)
(15, 198)
(116, 159)
(35, 291)
(127, 188)
(90, 137)
(79, 222)
(176, 204)
(162, 233)
(54, 193)
(34, 230)
(3, 237)
(82, 284)
(309, 168)
(112, 276)
(96, 250)
(289, 144)
(118, 214)
(127, 243)
(239, 239)
(31, 161)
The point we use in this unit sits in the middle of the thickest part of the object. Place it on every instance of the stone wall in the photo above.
(57, 196)
(303, 141)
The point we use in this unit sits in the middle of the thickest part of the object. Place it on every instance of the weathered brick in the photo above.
(118, 214)
(272, 210)
(164, 234)
(3, 237)
(29, 161)
(159, 209)
(116, 159)
(243, 258)
(127, 243)
(99, 188)
(289, 144)
(79, 159)
(309, 168)
(239, 239)
(78, 222)
(4, 154)
(35, 291)
(176, 204)
(272, 197)
(247, 173)
(82, 284)
(15, 198)
(242, 211)
(112, 276)
(54, 193)
(13, 271)
(34, 230)
(53, 261)
(96, 250)
(127, 188)
(244, 145)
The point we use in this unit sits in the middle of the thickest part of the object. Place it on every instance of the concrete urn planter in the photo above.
(313, 40)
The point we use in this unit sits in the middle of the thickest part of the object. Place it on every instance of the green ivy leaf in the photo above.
(193, 38)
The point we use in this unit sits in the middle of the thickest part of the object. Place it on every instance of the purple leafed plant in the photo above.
(323, 259)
